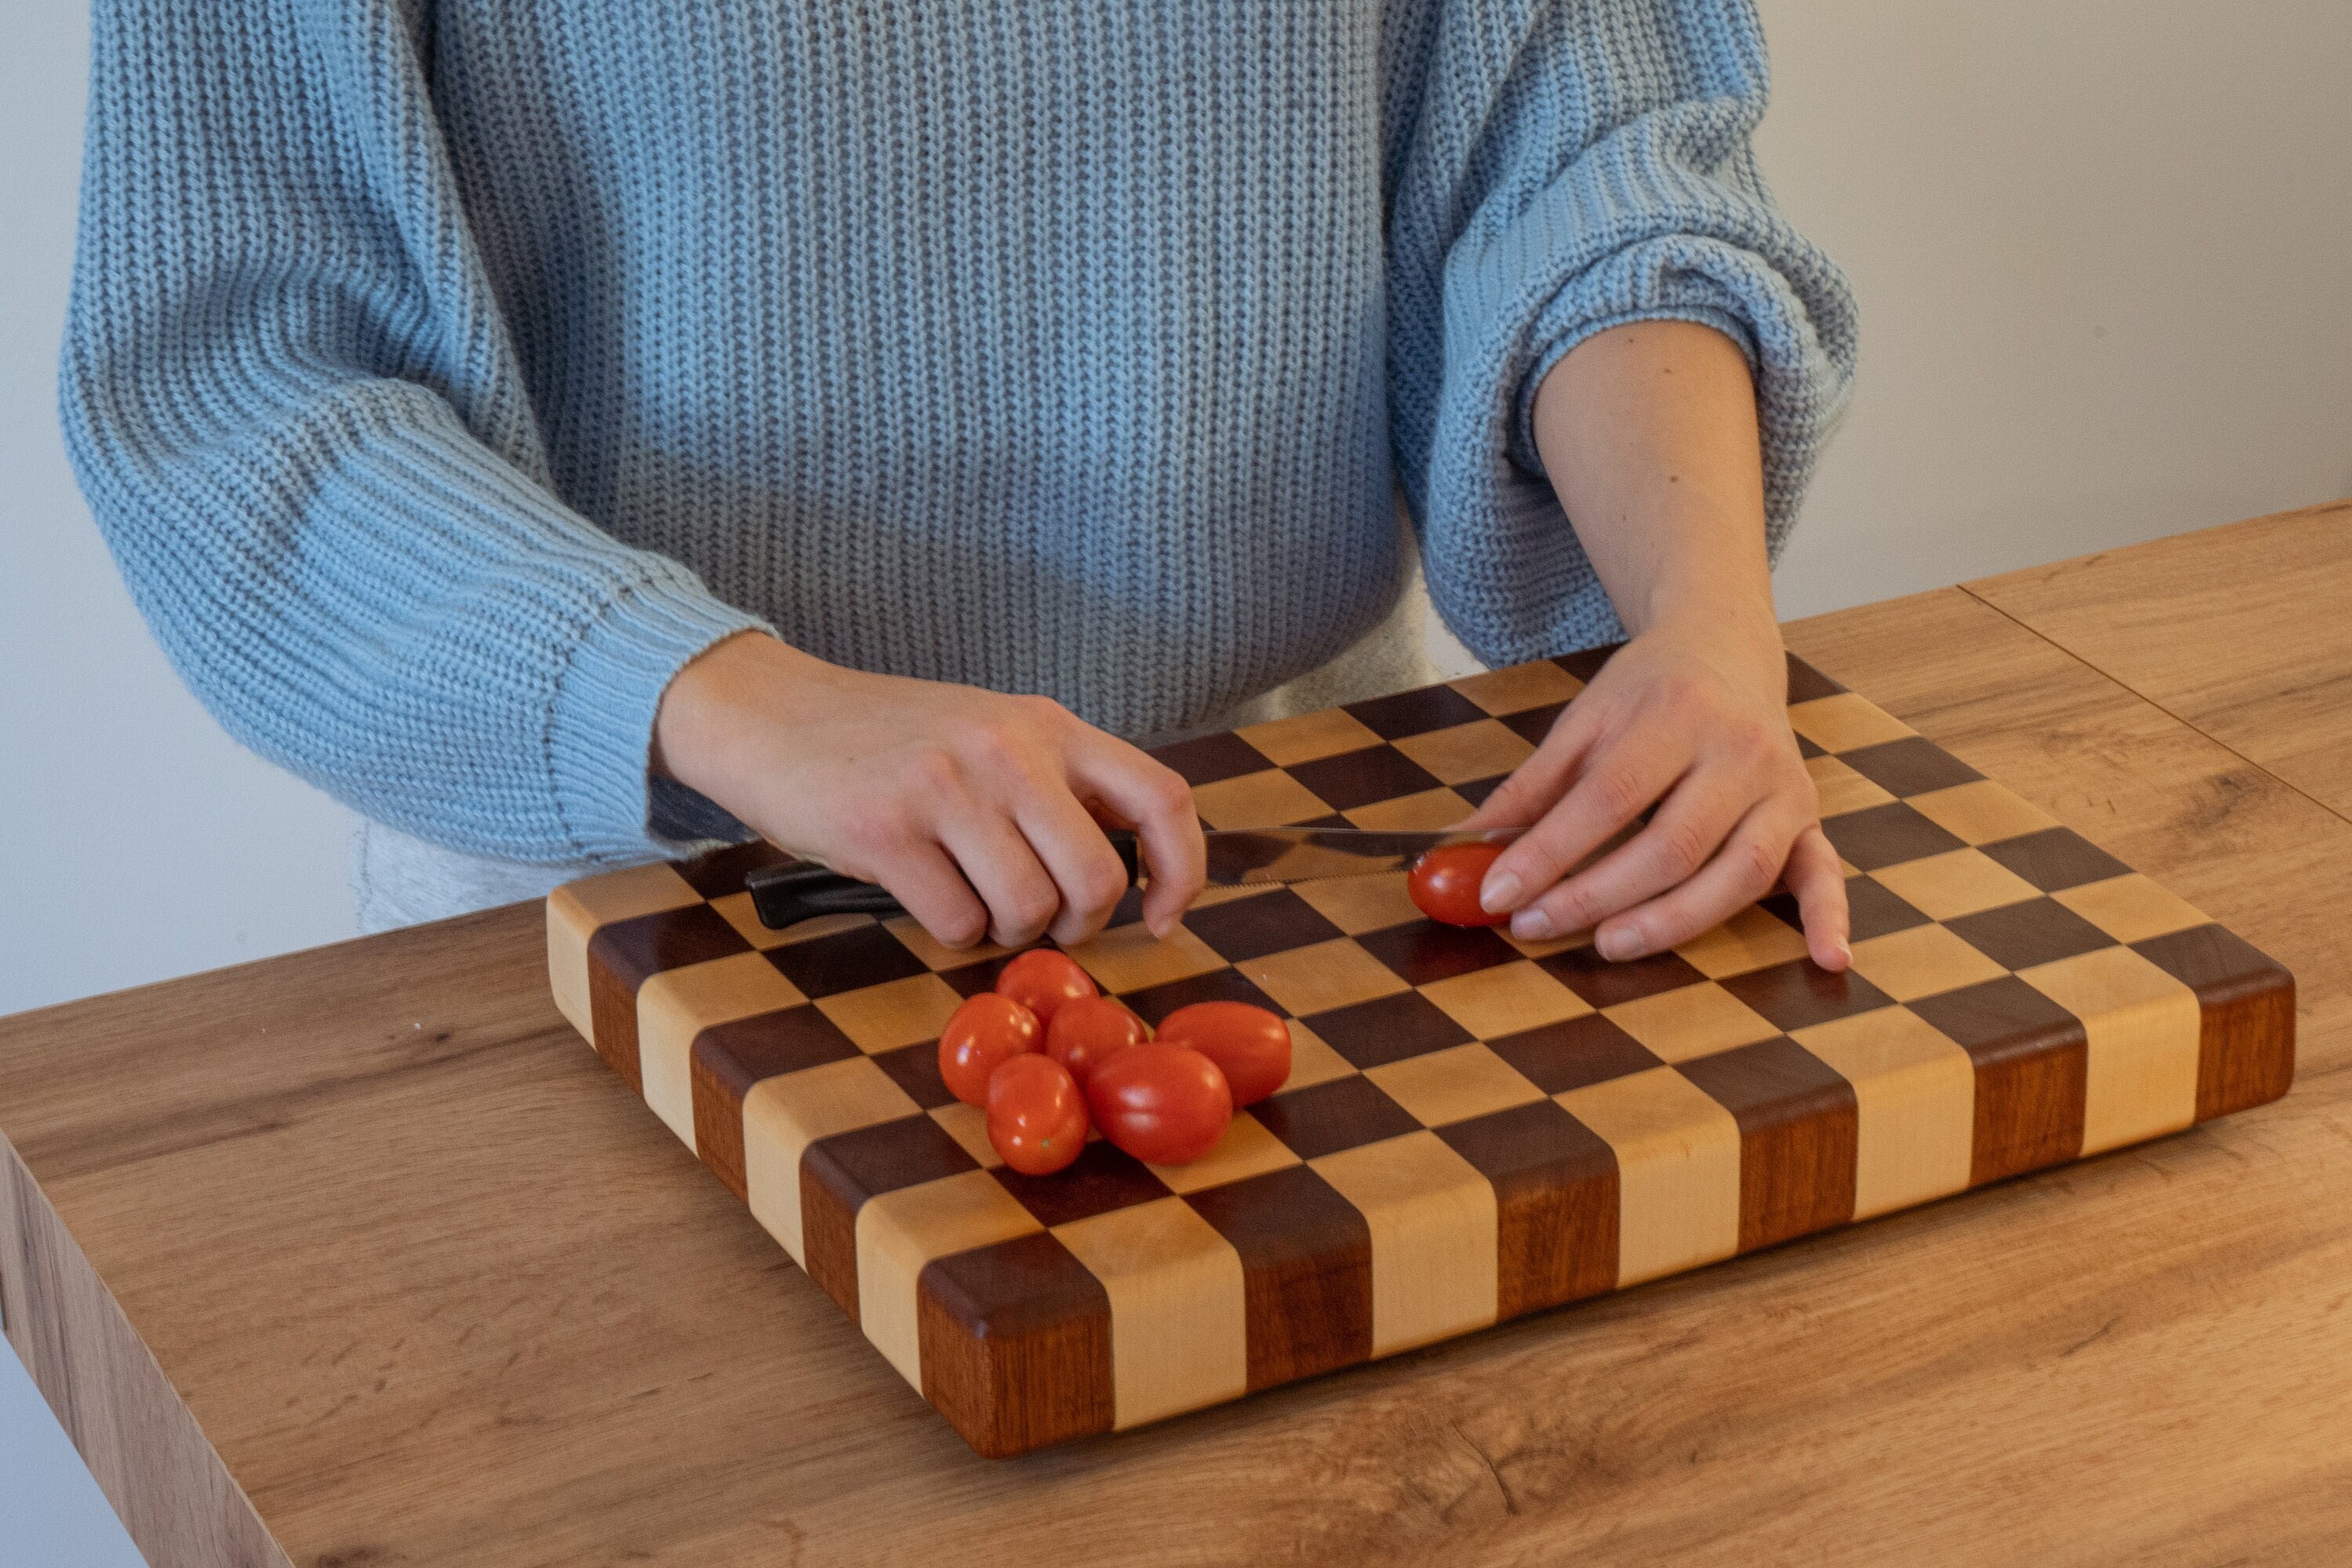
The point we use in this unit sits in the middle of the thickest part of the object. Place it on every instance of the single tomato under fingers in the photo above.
(1250, 1046)
(1043, 979)
(981, 1036)
(1036, 1117)
(1444, 883)
(1087, 1029)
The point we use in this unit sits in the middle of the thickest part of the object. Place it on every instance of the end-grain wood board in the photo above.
(1475, 1127)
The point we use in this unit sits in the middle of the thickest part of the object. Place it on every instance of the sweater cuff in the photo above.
(600, 735)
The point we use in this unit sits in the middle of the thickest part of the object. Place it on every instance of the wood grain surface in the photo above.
(438, 1294)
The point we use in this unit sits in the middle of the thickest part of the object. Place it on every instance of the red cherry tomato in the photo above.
(1036, 1117)
(1088, 1029)
(981, 1034)
(1043, 979)
(1444, 884)
(1167, 1105)
(1250, 1046)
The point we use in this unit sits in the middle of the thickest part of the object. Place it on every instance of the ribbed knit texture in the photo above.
(445, 376)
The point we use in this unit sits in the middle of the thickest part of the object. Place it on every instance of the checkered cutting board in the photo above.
(1475, 1127)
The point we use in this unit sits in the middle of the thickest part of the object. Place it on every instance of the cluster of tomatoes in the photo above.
(1048, 1057)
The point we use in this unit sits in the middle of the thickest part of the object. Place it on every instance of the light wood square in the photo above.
(1178, 1323)
(1959, 882)
(2144, 1029)
(1433, 1226)
(1519, 687)
(783, 1115)
(1430, 811)
(1915, 1094)
(1454, 1085)
(1981, 811)
(967, 1125)
(899, 1013)
(735, 910)
(1922, 962)
(898, 1232)
(1312, 1059)
(936, 954)
(1549, 945)
(1752, 939)
(1677, 1169)
(1845, 723)
(1270, 799)
(1480, 749)
(1505, 999)
(1246, 1149)
(1356, 904)
(676, 1005)
(623, 895)
(1691, 1021)
(1842, 789)
(1335, 973)
(1129, 958)
(2131, 908)
(1308, 737)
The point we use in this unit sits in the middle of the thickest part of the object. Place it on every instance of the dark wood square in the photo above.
(1909, 766)
(1586, 663)
(2055, 859)
(1887, 836)
(1532, 725)
(1556, 1203)
(2032, 1063)
(1476, 790)
(846, 961)
(1413, 713)
(1207, 758)
(1574, 1053)
(1154, 1003)
(916, 1069)
(1388, 1030)
(1422, 951)
(1800, 1126)
(1809, 749)
(1344, 1113)
(1361, 777)
(1800, 992)
(741, 1051)
(720, 873)
(1102, 1178)
(885, 1157)
(1272, 921)
(972, 979)
(1306, 1271)
(1807, 684)
(1605, 985)
(631, 950)
(2039, 930)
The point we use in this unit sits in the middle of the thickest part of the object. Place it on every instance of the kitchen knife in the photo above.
(801, 889)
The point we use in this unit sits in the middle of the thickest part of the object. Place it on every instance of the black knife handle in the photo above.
(801, 890)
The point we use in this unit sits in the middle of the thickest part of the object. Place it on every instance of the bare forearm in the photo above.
(1648, 432)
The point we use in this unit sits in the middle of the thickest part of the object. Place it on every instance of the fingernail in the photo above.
(1530, 925)
(1500, 893)
(1617, 947)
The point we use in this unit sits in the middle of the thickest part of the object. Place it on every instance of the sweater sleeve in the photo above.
(1589, 169)
(295, 413)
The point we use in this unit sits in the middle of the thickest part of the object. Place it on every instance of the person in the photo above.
(572, 435)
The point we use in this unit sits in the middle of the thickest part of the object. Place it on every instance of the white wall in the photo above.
(2104, 249)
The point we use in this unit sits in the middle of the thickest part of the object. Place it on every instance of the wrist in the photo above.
(752, 678)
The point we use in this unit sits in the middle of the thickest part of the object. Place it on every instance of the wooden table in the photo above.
(435, 1290)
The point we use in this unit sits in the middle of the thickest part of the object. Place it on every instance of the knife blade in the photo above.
(797, 890)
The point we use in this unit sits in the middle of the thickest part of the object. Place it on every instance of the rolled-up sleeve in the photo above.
(1592, 169)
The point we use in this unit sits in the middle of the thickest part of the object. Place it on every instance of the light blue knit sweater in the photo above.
(446, 373)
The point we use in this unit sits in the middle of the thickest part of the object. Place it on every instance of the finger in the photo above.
(1003, 871)
(1153, 799)
(1742, 872)
(1818, 882)
(1537, 784)
(926, 883)
(1613, 787)
(1087, 873)
(1698, 816)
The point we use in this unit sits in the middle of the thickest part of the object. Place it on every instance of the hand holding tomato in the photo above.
(1444, 883)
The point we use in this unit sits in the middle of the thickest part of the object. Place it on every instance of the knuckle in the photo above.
(1100, 885)
(1757, 867)
(960, 927)
(1168, 792)
(932, 771)
(1681, 850)
(1620, 794)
